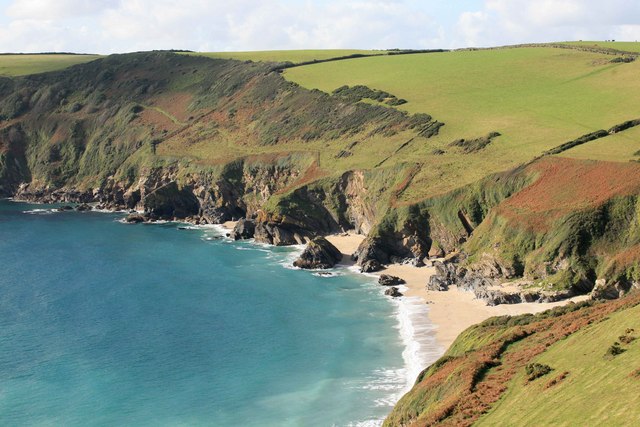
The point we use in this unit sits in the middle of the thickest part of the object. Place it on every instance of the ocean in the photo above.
(105, 323)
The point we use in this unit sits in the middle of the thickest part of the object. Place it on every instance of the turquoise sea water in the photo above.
(104, 323)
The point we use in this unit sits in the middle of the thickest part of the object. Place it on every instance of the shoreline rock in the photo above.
(393, 292)
(244, 229)
(388, 280)
(319, 254)
(371, 266)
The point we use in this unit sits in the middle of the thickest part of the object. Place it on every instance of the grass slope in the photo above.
(483, 376)
(295, 56)
(622, 46)
(537, 98)
(619, 147)
(20, 65)
(596, 390)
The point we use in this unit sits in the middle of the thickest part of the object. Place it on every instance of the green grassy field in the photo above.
(597, 390)
(295, 56)
(620, 147)
(20, 65)
(537, 98)
(623, 46)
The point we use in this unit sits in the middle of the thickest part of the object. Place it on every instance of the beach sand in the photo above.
(451, 311)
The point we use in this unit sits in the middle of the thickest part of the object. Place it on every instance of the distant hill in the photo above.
(24, 64)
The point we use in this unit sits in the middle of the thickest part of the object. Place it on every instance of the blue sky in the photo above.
(107, 26)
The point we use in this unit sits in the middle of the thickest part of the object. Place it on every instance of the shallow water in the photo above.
(108, 323)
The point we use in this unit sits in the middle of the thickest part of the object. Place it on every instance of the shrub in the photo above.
(536, 370)
(626, 339)
(613, 351)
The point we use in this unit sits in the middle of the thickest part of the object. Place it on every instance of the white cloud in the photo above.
(106, 26)
(50, 10)
(117, 26)
(521, 21)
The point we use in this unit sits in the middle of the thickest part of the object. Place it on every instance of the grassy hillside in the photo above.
(295, 56)
(536, 98)
(597, 386)
(554, 368)
(20, 65)
(622, 46)
(620, 147)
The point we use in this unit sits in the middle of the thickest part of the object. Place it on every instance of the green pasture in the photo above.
(537, 98)
(627, 46)
(295, 56)
(20, 65)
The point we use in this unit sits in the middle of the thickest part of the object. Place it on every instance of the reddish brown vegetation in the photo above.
(557, 380)
(468, 385)
(156, 120)
(176, 104)
(568, 185)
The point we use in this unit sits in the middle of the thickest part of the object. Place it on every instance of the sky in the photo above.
(112, 26)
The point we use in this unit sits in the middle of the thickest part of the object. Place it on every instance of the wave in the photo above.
(418, 335)
(40, 211)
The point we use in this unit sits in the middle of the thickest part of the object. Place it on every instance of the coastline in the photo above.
(450, 312)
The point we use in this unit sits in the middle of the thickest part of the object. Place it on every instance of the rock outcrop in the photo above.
(486, 284)
(393, 292)
(319, 253)
(244, 229)
(371, 266)
(388, 280)
(612, 289)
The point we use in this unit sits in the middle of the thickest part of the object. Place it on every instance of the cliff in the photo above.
(213, 140)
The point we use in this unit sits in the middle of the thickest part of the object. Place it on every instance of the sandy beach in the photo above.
(452, 311)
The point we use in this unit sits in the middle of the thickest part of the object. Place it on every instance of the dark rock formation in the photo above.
(244, 229)
(134, 218)
(612, 289)
(170, 201)
(319, 253)
(485, 283)
(280, 234)
(393, 292)
(387, 280)
(370, 266)
(83, 207)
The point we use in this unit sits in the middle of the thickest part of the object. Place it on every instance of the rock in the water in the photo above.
(319, 253)
(393, 292)
(371, 266)
(83, 207)
(387, 280)
(134, 218)
(65, 208)
(244, 229)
